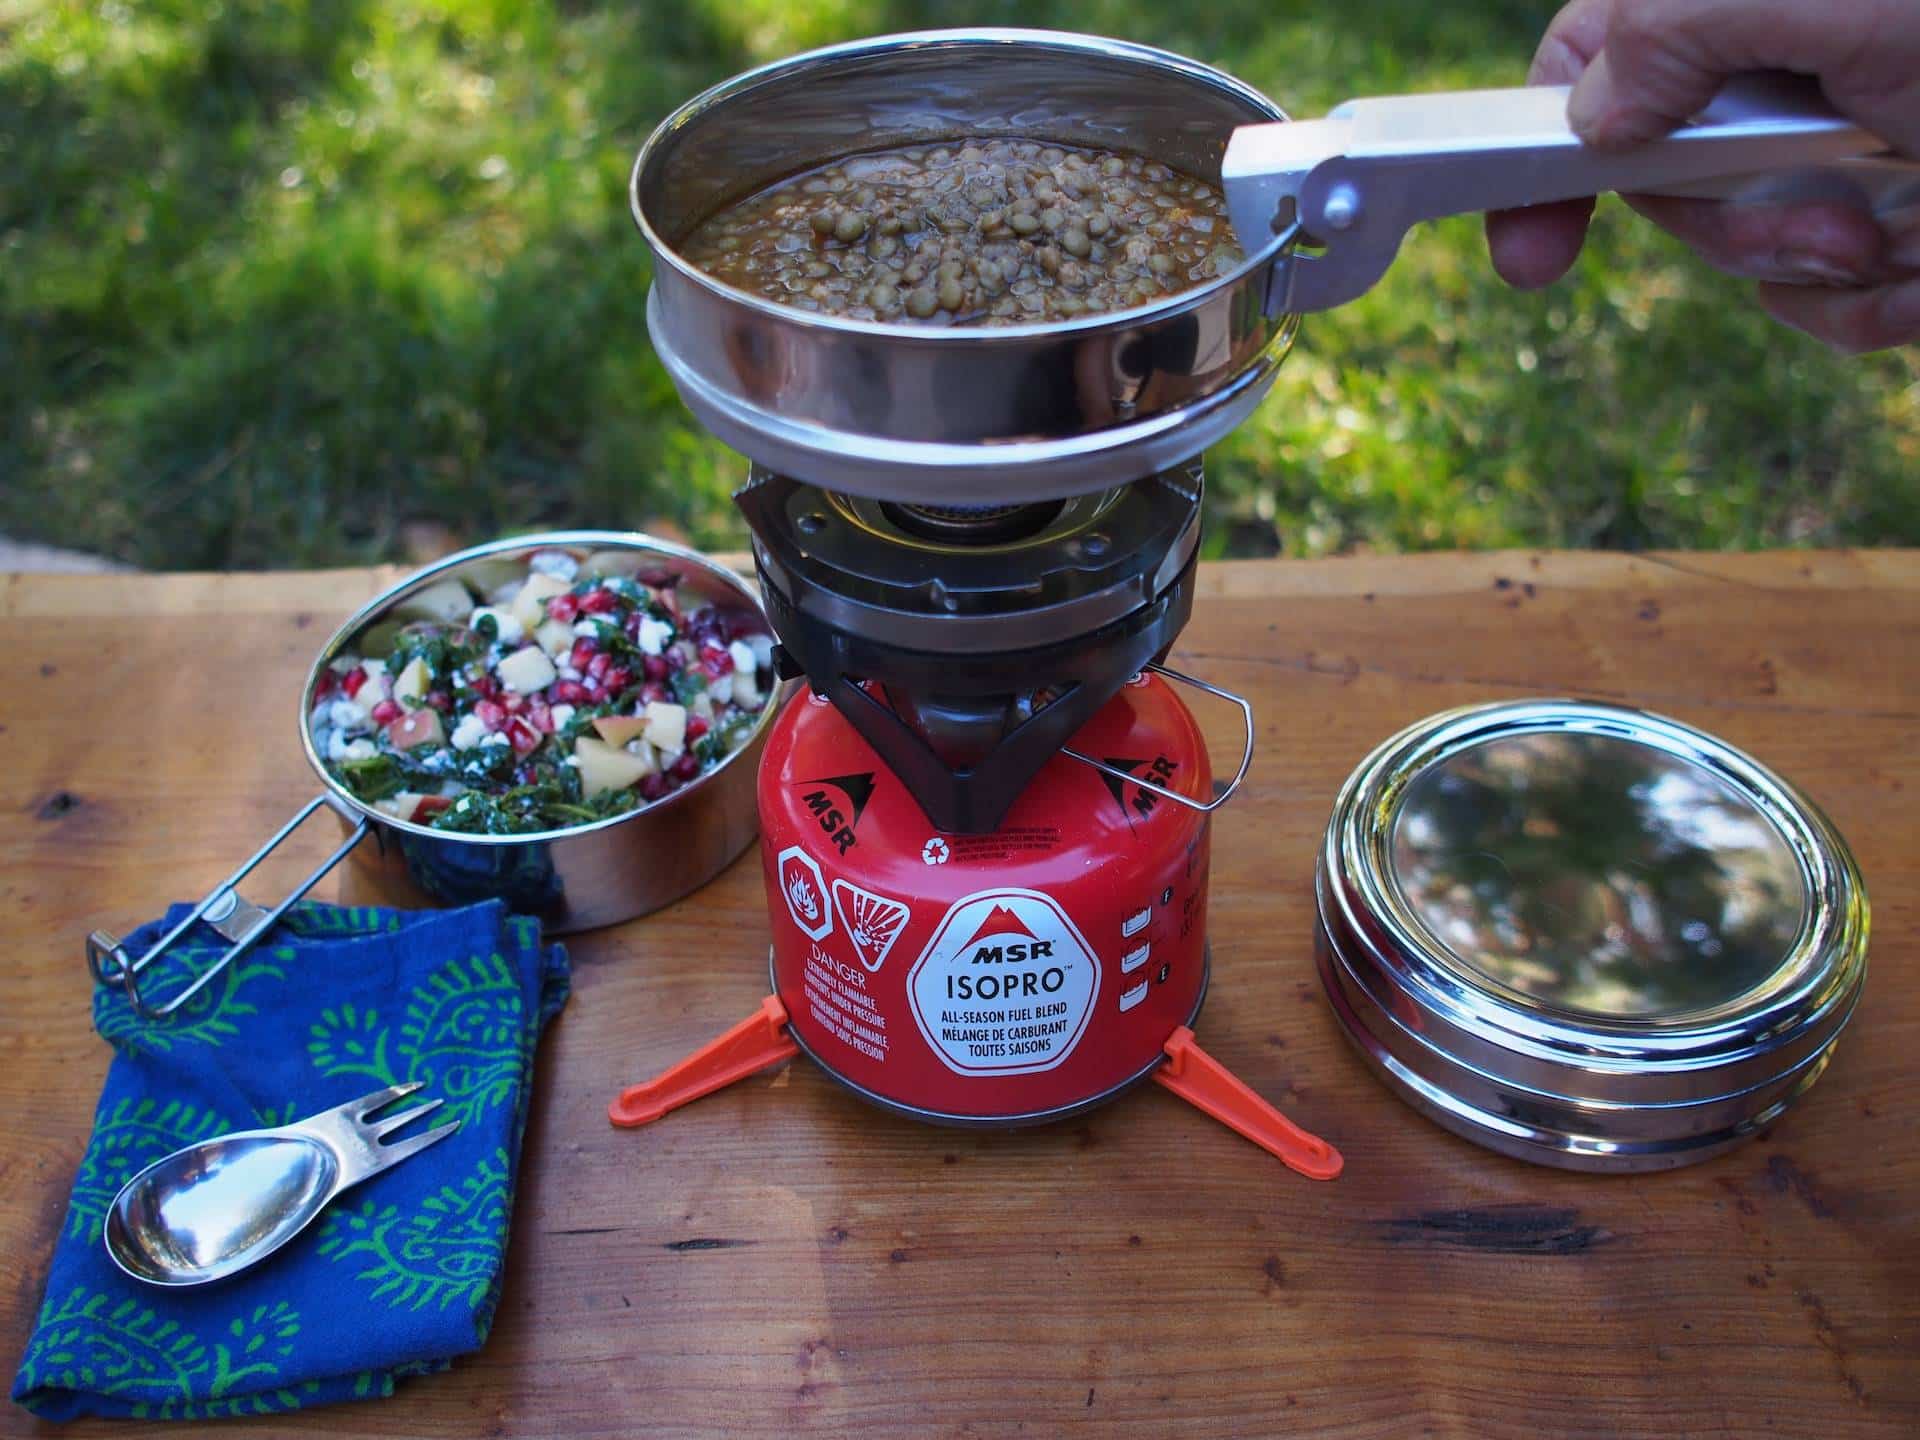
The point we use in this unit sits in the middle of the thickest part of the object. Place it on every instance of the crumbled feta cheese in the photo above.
(561, 715)
(556, 563)
(341, 748)
(507, 626)
(374, 668)
(743, 657)
(496, 738)
(345, 714)
(746, 689)
(654, 635)
(469, 732)
(762, 651)
(588, 628)
(341, 664)
(567, 672)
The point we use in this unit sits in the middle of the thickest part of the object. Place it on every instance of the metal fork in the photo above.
(216, 1207)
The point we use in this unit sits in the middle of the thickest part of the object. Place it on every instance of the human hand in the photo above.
(1640, 67)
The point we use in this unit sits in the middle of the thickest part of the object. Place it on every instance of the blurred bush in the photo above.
(300, 282)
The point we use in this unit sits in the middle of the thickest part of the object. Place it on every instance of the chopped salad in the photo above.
(538, 694)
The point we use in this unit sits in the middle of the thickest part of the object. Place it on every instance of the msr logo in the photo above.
(1159, 771)
(1018, 943)
(836, 803)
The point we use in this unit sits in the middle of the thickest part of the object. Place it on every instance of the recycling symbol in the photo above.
(935, 851)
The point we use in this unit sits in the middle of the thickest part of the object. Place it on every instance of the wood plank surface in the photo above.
(1141, 1272)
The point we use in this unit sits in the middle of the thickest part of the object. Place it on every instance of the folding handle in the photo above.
(238, 920)
(1355, 182)
(1207, 806)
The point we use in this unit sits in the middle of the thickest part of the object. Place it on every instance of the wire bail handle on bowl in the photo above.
(1204, 806)
(238, 920)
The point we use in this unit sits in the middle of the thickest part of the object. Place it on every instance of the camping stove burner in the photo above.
(967, 644)
(972, 524)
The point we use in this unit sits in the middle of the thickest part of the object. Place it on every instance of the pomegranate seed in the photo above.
(617, 679)
(583, 652)
(717, 662)
(524, 734)
(685, 768)
(655, 666)
(386, 712)
(563, 607)
(431, 805)
(654, 786)
(486, 687)
(596, 692)
(325, 685)
(696, 727)
(568, 692)
(653, 692)
(441, 701)
(598, 666)
(514, 704)
(491, 715)
(352, 681)
(598, 602)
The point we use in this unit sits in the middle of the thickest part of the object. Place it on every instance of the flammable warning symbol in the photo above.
(873, 921)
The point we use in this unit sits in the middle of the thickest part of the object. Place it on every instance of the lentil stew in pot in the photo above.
(972, 232)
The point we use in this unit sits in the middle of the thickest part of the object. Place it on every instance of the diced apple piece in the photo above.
(378, 687)
(619, 729)
(746, 690)
(498, 577)
(416, 727)
(613, 562)
(407, 805)
(555, 637)
(609, 767)
(526, 671)
(410, 685)
(666, 726)
(444, 600)
(530, 605)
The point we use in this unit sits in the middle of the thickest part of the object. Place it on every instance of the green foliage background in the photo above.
(278, 277)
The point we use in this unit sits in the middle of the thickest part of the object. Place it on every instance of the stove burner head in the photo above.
(967, 643)
(971, 524)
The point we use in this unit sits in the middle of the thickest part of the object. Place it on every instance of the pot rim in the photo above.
(1067, 41)
(339, 795)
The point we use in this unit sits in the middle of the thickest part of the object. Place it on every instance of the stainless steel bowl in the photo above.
(1585, 935)
(954, 415)
(577, 878)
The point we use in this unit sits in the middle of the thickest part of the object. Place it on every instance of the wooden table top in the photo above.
(1139, 1272)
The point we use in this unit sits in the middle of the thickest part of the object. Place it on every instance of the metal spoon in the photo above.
(212, 1209)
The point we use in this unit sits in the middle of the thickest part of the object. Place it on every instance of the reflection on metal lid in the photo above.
(1597, 875)
(1585, 934)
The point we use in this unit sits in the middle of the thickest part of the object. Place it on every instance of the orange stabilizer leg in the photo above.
(754, 1044)
(1205, 1083)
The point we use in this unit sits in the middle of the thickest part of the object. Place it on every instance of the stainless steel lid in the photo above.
(1585, 935)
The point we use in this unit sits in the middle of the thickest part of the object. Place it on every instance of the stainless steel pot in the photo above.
(1018, 413)
(574, 879)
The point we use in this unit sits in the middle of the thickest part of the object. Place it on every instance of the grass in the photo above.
(281, 279)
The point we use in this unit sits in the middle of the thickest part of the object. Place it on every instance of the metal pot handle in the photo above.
(1206, 807)
(238, 920)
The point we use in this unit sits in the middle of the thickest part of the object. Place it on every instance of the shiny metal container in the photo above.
(954, 415)
(578, 878)
(1585, 935)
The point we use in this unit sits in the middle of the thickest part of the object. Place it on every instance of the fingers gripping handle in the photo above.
(755, 1043)
(1206, 1084)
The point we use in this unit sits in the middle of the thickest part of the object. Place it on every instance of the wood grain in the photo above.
(781, 1259)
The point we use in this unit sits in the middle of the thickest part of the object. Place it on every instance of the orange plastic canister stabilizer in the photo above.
(755, 1043)
(1205, 1083)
